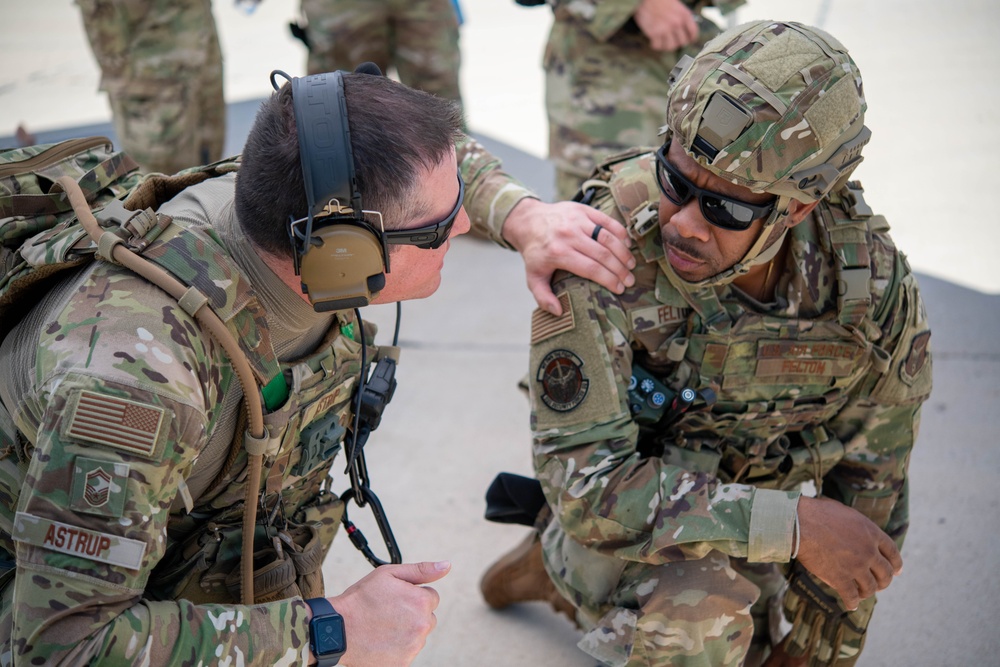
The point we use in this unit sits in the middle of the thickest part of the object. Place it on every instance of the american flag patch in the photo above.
(116, 422)
(546, 325)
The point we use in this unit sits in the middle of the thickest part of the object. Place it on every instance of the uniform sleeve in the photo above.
(111, 449)
(91, 526)
(603, 18)
(606, 17)
(879, 429)
(605, 494)
(491, 193)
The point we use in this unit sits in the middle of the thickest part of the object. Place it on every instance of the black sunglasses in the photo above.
(428, 236)
(720, 210)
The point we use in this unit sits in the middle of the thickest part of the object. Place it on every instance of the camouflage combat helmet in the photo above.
(774, 107)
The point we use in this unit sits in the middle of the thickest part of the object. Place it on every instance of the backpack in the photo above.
(39, 234)
(41, 238)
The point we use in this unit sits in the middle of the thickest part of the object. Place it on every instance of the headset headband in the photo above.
(325, 142)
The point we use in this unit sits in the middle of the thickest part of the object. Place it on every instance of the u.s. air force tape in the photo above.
(77, 541)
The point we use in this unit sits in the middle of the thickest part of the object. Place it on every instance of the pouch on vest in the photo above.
(287, 560)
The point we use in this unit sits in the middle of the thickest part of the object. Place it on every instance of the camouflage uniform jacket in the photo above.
(118, 497)
(807, 388)
(491, 194)
(604, 18)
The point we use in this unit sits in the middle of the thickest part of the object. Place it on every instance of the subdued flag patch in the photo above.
(116, 422)
(545, 325)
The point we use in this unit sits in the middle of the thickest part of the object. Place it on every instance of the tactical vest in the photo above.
(309, 405)
(777, 380)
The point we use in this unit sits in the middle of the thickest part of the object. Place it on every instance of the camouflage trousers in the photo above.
(161, 65)
(713, 612)
(604, 97)
(419, 38)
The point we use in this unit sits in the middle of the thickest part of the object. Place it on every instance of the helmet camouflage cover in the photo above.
(771, 106)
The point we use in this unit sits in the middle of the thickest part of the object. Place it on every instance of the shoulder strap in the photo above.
(193, 301)
(848, 222)
(213, 279)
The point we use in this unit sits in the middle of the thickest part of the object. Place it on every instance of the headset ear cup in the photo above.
(342, 267)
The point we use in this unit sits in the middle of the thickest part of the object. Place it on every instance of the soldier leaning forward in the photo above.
(122, 497)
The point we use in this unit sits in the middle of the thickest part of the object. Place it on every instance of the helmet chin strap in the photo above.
(753, 257)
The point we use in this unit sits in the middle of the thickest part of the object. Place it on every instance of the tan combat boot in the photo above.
(520, 576)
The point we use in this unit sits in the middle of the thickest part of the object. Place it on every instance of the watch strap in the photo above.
(320, 606)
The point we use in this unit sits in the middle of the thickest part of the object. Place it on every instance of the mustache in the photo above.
(684, 246)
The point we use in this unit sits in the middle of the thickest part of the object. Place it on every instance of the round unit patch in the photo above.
(563, 385)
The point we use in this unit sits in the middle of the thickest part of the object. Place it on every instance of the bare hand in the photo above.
(845, 550)
(558, 236)
(389, 613)
(779, 658)
(668, 24)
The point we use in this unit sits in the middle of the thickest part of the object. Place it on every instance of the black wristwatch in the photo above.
(327, 638)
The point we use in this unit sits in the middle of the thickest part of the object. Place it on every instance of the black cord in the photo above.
(353, 454)
(399, 315)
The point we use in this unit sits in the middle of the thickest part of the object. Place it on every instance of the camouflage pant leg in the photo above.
(419, 38)
(603, 97)
(683, 614)
(427, 52)
(767, 611)
(6, 621)
(346, 33)
(161, 65)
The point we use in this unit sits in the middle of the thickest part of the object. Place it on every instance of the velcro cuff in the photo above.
(772, 526)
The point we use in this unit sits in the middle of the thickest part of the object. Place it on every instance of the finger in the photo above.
(604, 256)
(882, 573)
(546, 299)
(617, 247)
(587, 267)
(616, 228)
(891, 553)
(867, 586)
(420, 573)
(848, 593)
(435, 597)
(691, 31)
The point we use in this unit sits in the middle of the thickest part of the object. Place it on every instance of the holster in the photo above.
(515, 499)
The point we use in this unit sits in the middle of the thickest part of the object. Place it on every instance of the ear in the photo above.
(798, 211)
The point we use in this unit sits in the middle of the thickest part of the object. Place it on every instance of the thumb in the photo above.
(541, 289)
(420, 573)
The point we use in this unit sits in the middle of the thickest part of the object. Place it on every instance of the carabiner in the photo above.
(358, 538)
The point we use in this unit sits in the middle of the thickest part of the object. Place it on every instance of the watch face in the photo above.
(328, 635)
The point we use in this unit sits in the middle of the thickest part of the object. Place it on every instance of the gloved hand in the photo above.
(823, 632)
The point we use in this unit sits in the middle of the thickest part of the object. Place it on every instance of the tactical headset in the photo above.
(341, 258)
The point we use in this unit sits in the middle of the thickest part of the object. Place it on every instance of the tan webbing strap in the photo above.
(256, 438)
